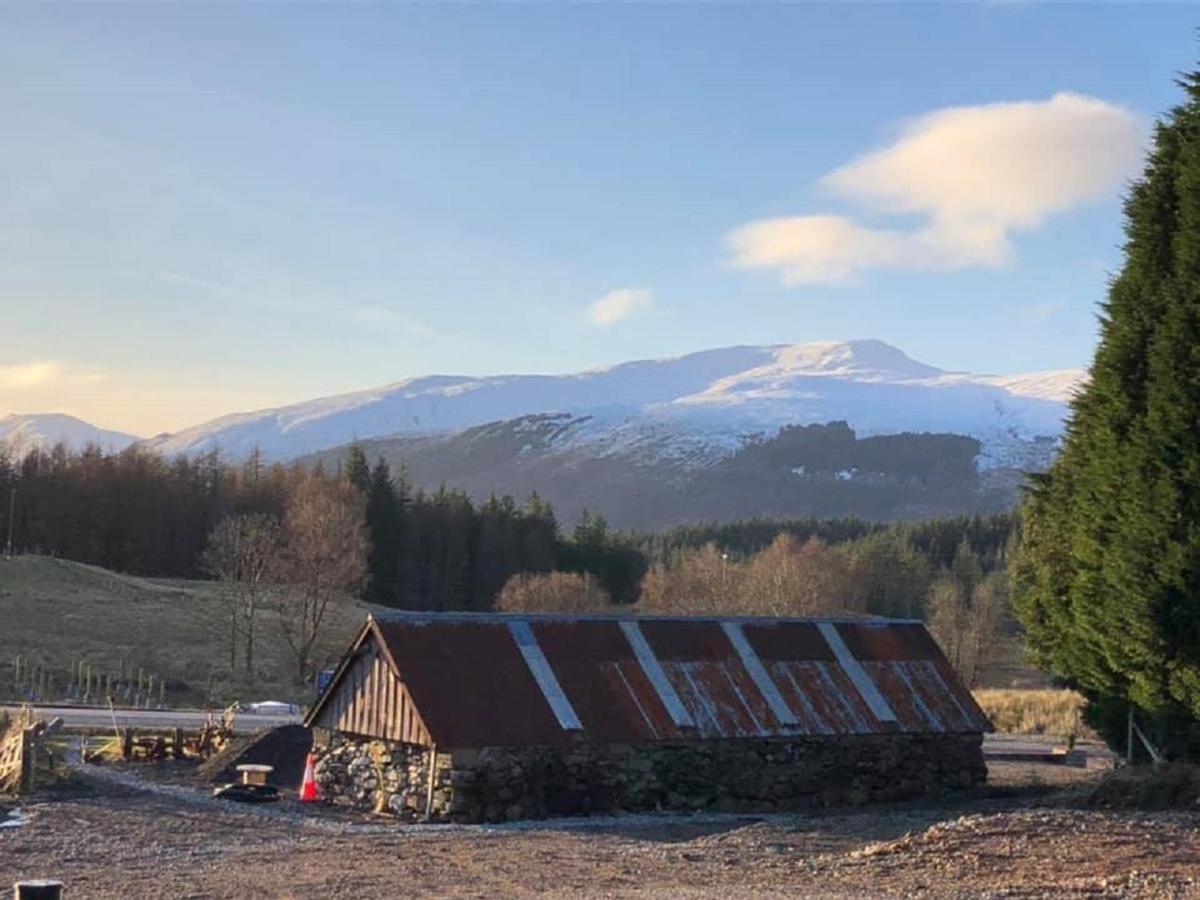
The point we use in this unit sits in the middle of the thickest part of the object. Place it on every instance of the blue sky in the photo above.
(209, 208)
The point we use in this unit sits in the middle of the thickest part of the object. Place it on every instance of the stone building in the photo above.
(485, 717)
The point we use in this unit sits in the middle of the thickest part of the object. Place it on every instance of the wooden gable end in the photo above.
(369, 700)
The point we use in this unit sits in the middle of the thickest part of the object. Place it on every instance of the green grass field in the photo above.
(54, 613)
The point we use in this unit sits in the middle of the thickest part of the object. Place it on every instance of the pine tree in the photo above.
(1107, 580)
(358, 471)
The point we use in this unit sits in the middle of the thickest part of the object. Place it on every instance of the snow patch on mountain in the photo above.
(690, 410)
(20, 434)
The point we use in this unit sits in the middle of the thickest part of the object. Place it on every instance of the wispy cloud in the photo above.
(31, 375)
(1040, 312)
(230, 291)
(620, 304)
(391, 318)
(976, 174)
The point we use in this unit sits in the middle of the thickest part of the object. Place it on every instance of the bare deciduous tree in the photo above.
(240, 553)
(966, 612)
(568, 592)
(698, 582)
(323, 559)
(786, 579)
(793, 579)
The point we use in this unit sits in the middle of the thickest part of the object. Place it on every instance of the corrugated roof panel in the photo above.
(827, 690)
(918, 685)
(718, 705)
(494, 680)
(884, 641)
(470, 684)
(653, 670)
(607, 687)
(708, 674)
(783, 714)
(853, 668)
(543, 674)
(964, 698)
(787, 640)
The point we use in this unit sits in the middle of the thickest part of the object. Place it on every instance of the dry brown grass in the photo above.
(1053, 712)
(54, 613)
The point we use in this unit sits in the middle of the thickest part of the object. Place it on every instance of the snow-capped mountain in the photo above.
(704, 404)
(19, 434)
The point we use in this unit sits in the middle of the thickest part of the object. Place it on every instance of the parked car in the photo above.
(272, 708)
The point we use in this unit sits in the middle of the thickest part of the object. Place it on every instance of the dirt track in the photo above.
(1003, 842)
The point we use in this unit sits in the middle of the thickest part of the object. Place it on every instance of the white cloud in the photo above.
(27, 376)
(976, 174)
(619, 304)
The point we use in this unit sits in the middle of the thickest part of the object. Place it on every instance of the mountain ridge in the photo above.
(725, 391)
(21, 433)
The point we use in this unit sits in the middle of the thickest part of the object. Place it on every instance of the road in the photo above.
(93, 717)
(995, 746)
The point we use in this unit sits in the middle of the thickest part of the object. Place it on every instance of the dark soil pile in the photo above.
(1149, 787)
(284, 748)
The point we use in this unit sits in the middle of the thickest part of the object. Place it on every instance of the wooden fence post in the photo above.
(28, 762)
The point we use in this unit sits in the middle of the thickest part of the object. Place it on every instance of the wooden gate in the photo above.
(18, 751)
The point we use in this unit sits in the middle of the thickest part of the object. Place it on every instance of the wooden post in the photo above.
(37, 890)
(1129, 738)
(429, 786)
(27, 762)
(177, 743)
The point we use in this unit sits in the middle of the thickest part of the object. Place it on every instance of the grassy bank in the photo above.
(54, 613)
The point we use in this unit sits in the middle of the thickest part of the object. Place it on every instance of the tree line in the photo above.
(287, 540)
(964, 602)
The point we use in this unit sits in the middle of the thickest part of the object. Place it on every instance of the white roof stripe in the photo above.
(758, 673)
(858, 675)
(539, 666)
(654, 671)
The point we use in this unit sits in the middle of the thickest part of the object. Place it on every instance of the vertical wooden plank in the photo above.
(361, 697)
(380, 726)
(358, 696)
(401, 713)
(391, 705)
(352, 682)
(364, 695)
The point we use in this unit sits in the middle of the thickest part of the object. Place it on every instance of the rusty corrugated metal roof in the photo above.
(482, 680)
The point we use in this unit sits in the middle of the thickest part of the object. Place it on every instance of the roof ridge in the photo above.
(403, 615)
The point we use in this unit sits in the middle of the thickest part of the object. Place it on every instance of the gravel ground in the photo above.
(119, 839)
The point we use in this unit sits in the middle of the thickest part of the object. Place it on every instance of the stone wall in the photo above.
(499, 783)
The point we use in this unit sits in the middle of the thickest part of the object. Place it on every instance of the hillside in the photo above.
(57, 612)
(650, 481)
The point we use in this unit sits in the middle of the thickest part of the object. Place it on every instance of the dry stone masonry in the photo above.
(498, 783)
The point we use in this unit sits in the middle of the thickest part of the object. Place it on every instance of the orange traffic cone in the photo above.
(308, 787)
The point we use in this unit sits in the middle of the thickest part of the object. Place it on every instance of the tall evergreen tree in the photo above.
(1107, 580)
